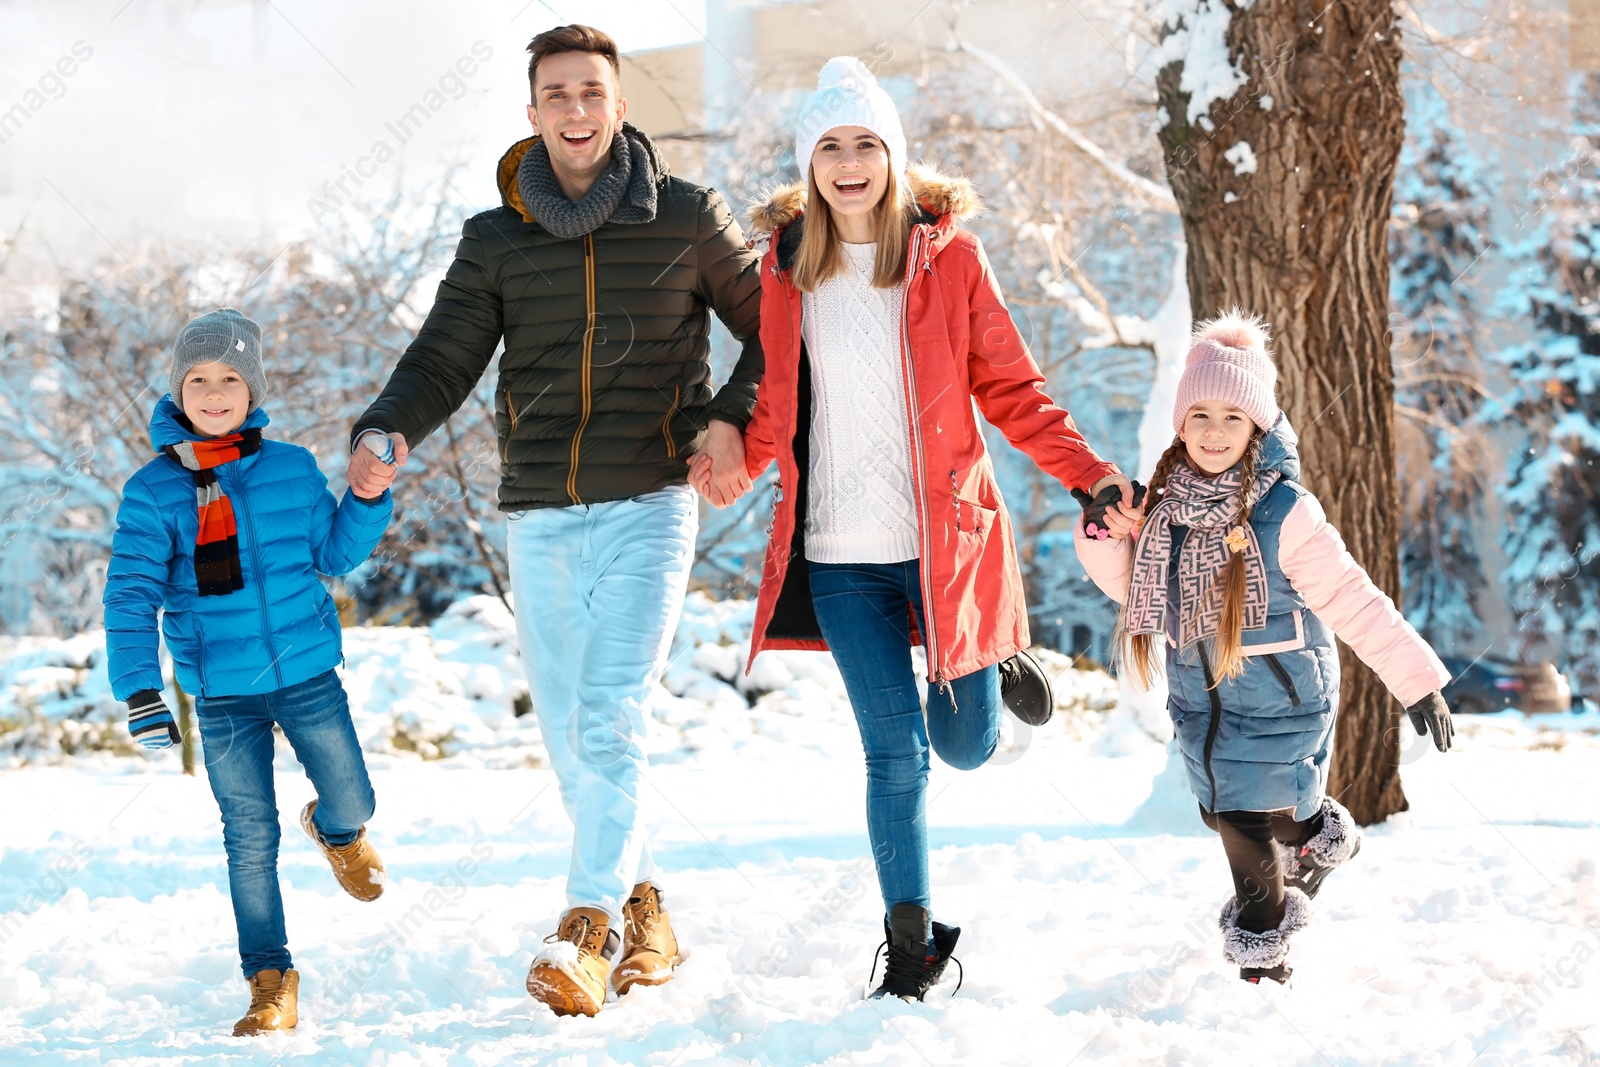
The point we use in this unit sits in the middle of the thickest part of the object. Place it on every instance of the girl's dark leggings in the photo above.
(1247, 838)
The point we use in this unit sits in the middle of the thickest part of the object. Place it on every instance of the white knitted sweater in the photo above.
(860, 506)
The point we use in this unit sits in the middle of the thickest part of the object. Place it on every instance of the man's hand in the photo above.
(367, 475)
(717, 470)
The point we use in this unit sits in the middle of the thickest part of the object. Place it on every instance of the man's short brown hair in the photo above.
(574, 38)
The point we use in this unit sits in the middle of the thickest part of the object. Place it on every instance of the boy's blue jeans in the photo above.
(598, 589)
(861, 608)
(237, 735)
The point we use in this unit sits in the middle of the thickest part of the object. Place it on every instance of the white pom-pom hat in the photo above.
(1228, 361)
(848, 95)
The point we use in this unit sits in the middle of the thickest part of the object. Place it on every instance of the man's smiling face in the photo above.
(577, 108)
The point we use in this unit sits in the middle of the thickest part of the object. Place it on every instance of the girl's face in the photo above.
(1215, 434)
(215, 398)
(851, 167)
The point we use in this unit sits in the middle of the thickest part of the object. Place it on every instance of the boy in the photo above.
(227, 533)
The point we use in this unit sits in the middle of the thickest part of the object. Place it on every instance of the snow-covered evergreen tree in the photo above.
(1552, 494)
(1439, 234)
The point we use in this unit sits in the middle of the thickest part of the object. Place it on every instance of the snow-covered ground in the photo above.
(1468, 930)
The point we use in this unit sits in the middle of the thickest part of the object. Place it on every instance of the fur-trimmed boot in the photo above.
(570, 973)
(649, 947)
(1265, 953)
(274, 1003)
(1331, 847)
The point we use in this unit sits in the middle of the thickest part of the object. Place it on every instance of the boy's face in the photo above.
(215, 398)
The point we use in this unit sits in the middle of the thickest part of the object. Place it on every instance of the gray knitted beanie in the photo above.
(221, 336)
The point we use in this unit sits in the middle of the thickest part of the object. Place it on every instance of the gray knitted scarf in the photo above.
(625, 192)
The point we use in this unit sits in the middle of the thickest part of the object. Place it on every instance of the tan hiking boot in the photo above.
(570, 973)
(649, 947)
(356, 865)
(274, 1003)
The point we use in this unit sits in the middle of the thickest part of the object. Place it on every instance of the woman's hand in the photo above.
(1115, 510)
(717, 470)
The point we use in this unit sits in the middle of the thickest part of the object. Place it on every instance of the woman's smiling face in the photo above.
(1215, 434)
(851, 167)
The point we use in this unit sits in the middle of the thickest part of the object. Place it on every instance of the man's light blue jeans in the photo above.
(598, 589)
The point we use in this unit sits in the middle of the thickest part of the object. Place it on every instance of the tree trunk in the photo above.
(1300, 238)
(187, 727)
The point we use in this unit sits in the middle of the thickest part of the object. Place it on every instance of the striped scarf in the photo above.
(216, 546)
(1207, 506)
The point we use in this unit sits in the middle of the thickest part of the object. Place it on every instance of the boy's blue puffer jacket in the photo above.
(282, 627)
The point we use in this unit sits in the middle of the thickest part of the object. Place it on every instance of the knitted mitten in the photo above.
(150, 722)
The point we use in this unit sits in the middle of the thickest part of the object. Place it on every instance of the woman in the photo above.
(881, 323)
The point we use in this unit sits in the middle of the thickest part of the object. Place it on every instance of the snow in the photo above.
(1243, 158)
(1086, 887)
(1198, 39)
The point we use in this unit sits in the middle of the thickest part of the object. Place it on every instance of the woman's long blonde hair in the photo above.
(819, 257)
(1227, 656)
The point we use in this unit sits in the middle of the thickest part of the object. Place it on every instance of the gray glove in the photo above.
(1432, 715)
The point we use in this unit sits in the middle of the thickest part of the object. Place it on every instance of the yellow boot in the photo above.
(274, 1003)
(649, 947)
(356, 865)
(570, 974)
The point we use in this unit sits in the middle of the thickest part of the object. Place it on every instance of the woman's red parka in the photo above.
(958, 344)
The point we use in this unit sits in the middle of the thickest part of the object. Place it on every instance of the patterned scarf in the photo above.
(216, 546)
(1207, 506)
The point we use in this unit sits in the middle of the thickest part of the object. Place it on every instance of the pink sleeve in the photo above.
(1338, 591)
(1109, 563)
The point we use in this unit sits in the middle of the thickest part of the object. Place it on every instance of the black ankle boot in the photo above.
(913, 965)
(1025, 689)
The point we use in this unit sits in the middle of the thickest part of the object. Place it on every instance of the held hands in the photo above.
(375, 462)
(1114, 508)
(1432, 715)
(150, 722)
(717, 470)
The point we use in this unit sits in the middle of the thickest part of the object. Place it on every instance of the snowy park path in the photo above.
(1466, 932)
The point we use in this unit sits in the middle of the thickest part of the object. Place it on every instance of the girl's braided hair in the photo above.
(1139, 651)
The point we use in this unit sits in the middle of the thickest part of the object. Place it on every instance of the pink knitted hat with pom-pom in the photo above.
(1228, 361)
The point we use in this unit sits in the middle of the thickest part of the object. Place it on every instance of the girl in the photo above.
(881, 323)
(1240, 575)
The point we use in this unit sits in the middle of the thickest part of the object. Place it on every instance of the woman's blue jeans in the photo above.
(862, 609)
(236, 733)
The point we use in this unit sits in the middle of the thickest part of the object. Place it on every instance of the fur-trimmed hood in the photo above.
(939, 194)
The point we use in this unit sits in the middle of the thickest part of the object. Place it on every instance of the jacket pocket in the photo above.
(969, 516)
(666, 423)
(1282, 675)
(505, 421)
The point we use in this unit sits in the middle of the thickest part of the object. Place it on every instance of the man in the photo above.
(598, 270)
